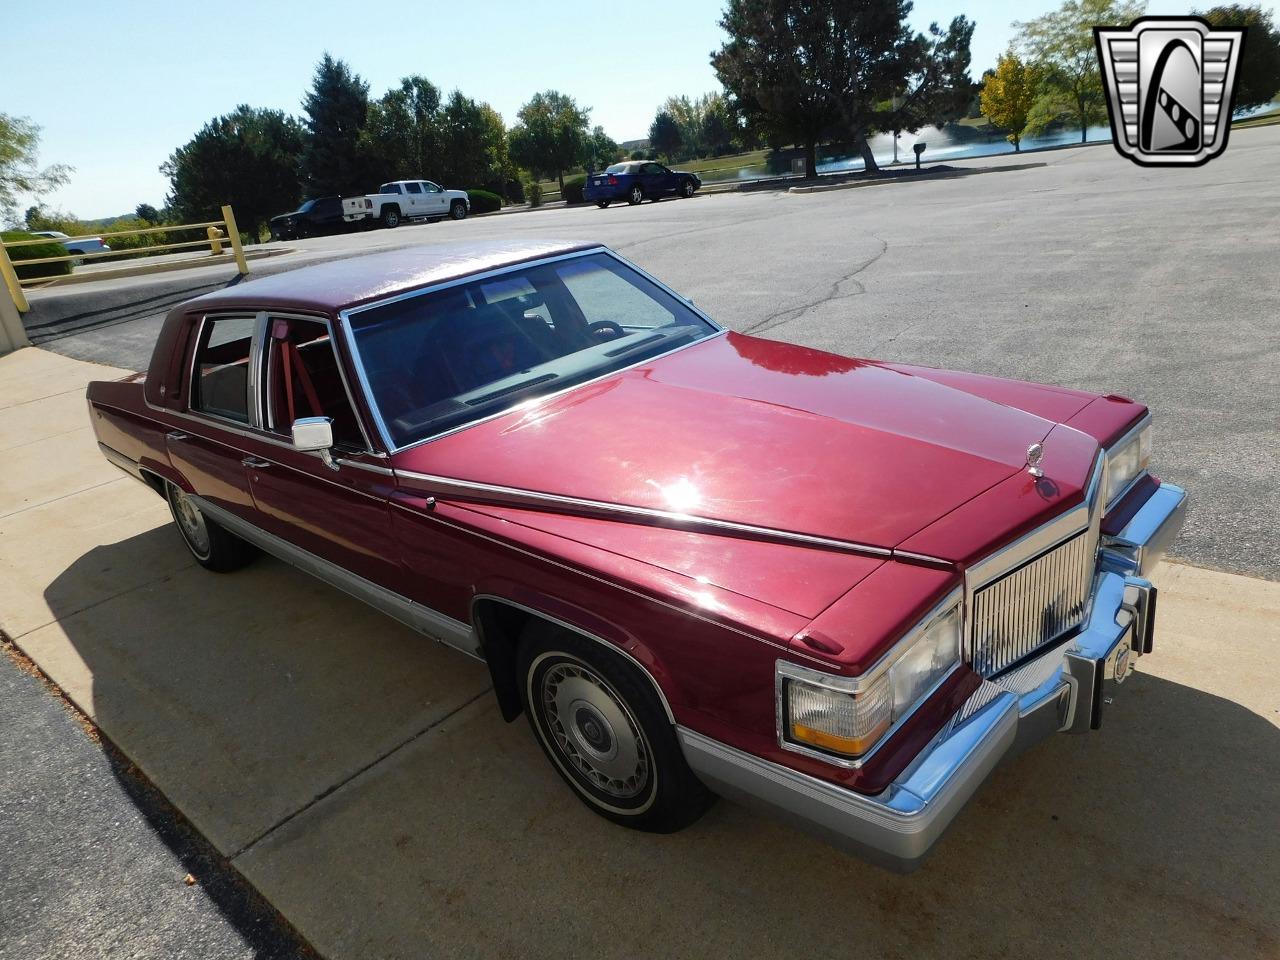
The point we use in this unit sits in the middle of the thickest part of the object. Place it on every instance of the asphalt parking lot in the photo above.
(363, 782)
(1088, 272)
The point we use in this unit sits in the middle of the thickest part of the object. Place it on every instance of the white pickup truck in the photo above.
(407, 200)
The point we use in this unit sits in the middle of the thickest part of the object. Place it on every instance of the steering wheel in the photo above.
(598, 327)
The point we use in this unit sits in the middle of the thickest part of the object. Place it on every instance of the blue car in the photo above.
(637, 180)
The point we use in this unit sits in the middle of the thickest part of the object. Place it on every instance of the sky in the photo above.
(116, 86)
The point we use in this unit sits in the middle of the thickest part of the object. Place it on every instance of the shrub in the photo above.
(36, 252)
(482, 201)
(533, 191)
(572, 192)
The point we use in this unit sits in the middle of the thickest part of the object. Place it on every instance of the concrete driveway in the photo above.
(362, 780)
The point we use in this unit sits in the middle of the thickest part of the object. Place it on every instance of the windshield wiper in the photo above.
(650, 341)
(513, 388)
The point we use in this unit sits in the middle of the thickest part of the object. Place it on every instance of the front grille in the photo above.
(1031, 606)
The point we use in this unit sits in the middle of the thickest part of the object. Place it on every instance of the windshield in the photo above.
(442, 359)
(306, 207)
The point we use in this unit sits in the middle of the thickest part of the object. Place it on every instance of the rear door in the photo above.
(220, 401)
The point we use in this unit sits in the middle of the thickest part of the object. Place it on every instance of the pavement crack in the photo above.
(833, 293)
(334, 788)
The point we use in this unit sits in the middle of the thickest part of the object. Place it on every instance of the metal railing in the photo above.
(216, 232)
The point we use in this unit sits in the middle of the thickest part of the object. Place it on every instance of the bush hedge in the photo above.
(572, 192)
(36, 252)
(482, 201)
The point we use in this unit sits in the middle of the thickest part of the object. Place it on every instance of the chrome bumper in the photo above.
(1062, 690)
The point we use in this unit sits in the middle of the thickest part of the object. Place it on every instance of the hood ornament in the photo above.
(1035, 453)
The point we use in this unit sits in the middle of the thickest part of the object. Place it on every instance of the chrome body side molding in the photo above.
(423, 619)
(431, 485)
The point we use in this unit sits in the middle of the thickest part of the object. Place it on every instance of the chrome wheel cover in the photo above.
(190, 521)
(593, 729)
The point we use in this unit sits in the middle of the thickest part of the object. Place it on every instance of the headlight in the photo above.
(847, 716)
(1126, 460)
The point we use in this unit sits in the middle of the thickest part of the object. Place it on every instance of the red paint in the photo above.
(735, 428)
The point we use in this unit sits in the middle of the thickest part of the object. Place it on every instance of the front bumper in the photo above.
(1062, 690)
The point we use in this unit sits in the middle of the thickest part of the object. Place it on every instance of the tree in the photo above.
(145, 211)
(1008, 95)
(248, 158)
(337, 108)
(1061, 44)
(664, 135)
(20, 173)
(805, 71)
(718, 125)
(551, 135)
(1259, 69)
(602, 149)
(473, 144)
(400, 139)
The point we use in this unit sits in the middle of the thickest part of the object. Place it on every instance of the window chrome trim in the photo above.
(786, 670)
(344, 317)
(579, 505)
(188, 392)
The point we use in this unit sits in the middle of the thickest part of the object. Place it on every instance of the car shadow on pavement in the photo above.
(360, 777)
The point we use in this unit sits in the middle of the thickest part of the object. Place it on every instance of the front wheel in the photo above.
(599, 721)
(687, 188)
(603, 204)
(212, 546)
(635, 196)
(458, 210)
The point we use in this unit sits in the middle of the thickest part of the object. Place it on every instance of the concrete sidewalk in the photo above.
(362, 780)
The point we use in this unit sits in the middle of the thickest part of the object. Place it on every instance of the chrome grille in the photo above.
(1031, 606)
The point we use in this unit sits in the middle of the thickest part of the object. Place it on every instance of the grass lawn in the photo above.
(1264, 120)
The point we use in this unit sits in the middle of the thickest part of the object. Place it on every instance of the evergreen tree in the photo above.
(337, 109)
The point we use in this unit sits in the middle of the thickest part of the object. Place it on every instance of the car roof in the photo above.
(338, 284)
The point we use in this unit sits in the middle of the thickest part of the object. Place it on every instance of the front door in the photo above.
(435, 199)
(340, 515)
(653, 177)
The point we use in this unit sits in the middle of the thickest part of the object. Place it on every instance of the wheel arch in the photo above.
(499, 621)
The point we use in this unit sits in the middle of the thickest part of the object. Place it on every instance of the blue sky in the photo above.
(122, 83)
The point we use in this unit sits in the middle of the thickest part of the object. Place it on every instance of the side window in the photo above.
(389, 188)
(430, 187)
(304, 380)
(413, 187)
(221, 384)
(652, 168)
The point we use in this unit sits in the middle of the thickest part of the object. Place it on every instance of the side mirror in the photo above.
(315, 433)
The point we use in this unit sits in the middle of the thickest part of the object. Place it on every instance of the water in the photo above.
(951, 143)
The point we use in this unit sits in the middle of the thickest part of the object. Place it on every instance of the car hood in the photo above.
(747, 431)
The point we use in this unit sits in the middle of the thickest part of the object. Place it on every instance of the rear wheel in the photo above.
(212, 546)
(458, 210)
(390, 217)
(603, 204)
(604, 729)
(635, 196)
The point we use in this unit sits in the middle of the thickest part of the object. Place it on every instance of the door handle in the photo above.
(177, 436)
(257, 463)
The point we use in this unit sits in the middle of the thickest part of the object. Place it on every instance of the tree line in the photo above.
(1051, 75)
(345, 143)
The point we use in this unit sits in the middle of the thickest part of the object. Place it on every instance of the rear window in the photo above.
(622, 168)
(222, 368)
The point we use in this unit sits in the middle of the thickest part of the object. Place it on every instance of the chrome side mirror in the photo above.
(315, 433)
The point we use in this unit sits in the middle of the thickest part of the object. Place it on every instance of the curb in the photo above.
(911, 178)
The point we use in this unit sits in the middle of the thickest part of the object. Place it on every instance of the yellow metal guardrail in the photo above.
(214, 236)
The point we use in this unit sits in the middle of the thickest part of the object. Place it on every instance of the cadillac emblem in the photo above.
(1171, 82)
(1035, 453)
